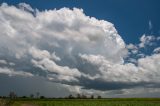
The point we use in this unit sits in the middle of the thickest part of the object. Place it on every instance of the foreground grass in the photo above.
(88, 102)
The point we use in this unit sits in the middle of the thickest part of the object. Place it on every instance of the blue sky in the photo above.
(110, 48)
(130, 17)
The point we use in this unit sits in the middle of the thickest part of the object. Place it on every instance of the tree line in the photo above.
(13, 95)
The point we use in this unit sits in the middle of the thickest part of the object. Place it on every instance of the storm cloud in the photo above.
(68, 47)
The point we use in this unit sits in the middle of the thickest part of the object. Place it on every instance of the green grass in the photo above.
(97, 103)
(90, 102)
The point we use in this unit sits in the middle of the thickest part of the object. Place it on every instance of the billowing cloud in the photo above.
(44, 61)
(68, 47)
(146, 40)
(63, 32)
(156, 50)
(25, 7)
(12, 72)
(145, 71)
(3, 62)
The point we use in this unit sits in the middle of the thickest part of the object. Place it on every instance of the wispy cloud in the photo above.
(150, 25)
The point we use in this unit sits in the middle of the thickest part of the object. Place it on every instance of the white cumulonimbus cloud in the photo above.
(68, 46)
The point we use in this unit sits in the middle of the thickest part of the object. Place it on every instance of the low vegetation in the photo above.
(83, 102)
(78, 100)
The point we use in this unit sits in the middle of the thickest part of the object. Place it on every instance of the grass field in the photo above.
(87, 102)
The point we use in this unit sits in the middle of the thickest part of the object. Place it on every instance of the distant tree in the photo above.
(92, 96)
(31, 95)
(70, 96)
(4, 97)
(84, 96)
(99, 97)
(12, 95)
(24, 97)
(78, 96)
(42, 97)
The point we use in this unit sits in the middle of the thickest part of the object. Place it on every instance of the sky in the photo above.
(60, 47)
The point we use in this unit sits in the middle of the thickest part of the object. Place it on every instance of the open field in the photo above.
(87, 102)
